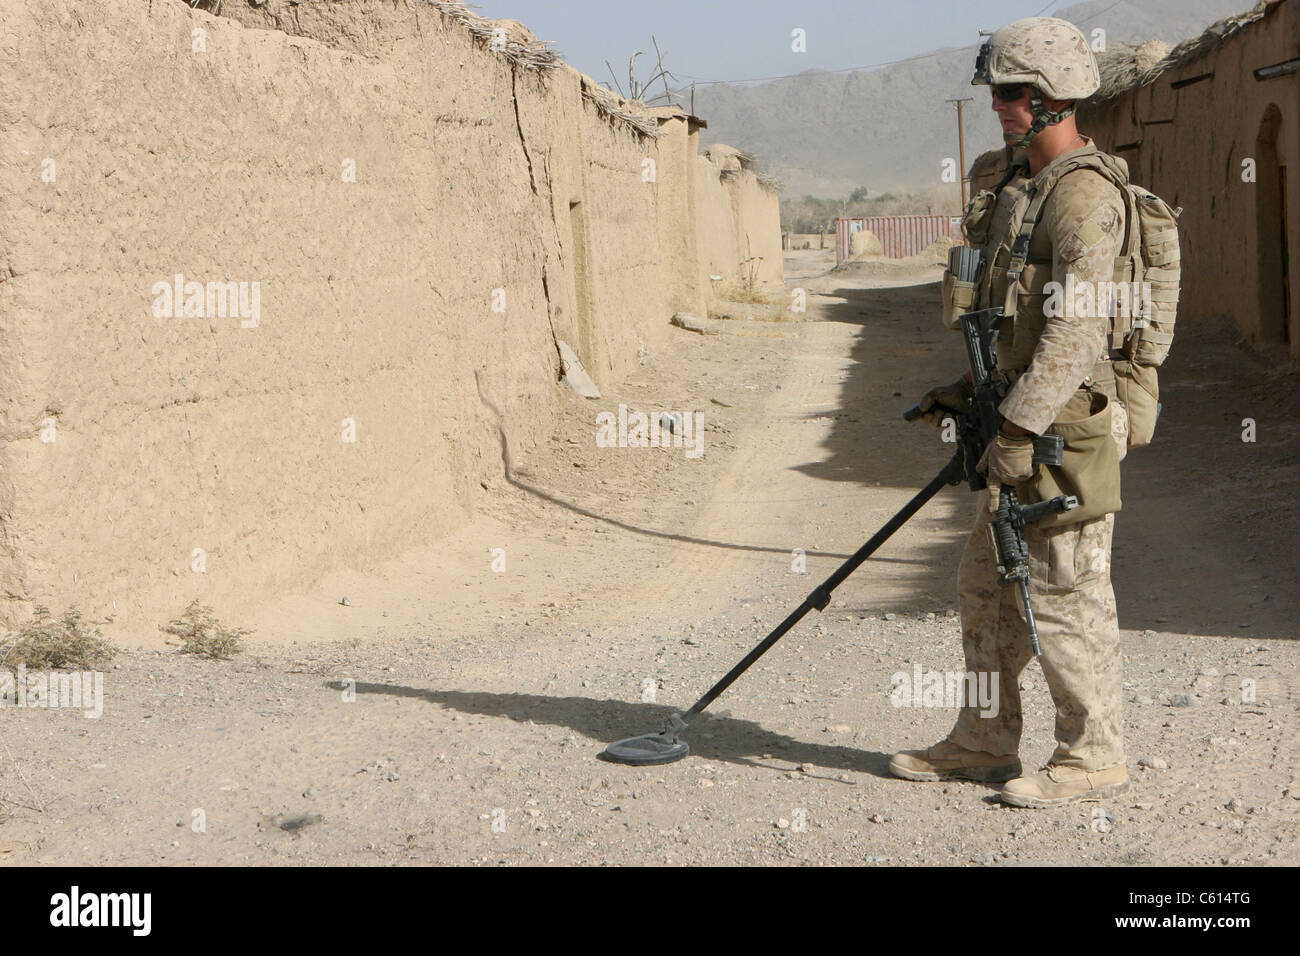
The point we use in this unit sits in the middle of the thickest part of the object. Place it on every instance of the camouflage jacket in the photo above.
(1075, 244)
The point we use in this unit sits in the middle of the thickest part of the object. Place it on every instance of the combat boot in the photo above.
(1054, 786)
(947, 761)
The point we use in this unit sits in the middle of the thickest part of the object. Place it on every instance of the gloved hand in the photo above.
(1007, 460)
(939, 403)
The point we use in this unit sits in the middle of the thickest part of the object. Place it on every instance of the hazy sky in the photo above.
(745, 39)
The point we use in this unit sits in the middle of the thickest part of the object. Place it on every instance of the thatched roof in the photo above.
(615, 107)
(750, 162)
(529, 53)
(521, 47)
(731, 162)
(1125, 67)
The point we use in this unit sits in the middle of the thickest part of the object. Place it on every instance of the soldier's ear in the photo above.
(1055, 105)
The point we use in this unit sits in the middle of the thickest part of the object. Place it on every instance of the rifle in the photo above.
(976, 429)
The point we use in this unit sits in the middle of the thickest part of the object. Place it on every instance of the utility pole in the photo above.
(961, 147)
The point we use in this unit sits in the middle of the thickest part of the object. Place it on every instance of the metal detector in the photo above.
(667, 745)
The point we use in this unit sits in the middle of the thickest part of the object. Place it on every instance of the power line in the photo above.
(1100, 12)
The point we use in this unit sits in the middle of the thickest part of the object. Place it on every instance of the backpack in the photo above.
(1150, 260)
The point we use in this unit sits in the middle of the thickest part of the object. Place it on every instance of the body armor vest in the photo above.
(1017, 260)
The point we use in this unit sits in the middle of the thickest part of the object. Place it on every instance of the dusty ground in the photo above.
(482, 697)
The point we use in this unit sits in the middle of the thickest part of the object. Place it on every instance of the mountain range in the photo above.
(889, 129)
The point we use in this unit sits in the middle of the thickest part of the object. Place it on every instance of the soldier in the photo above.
(1057, 366)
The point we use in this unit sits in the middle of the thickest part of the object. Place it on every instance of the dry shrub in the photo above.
(49, 643)
(744, 292)
(201, 633)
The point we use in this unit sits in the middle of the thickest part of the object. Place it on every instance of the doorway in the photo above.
(1271, 232)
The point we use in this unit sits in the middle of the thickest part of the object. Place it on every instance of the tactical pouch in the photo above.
(1162, 272)
(958, 299)
(978, 217)
(1089, 467)
(1138, 388)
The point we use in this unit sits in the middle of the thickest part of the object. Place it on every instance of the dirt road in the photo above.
(451, 712)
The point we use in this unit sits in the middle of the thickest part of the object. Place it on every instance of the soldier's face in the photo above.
(1015, 114)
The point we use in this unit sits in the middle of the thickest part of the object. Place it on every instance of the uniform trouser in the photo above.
(1074, 607)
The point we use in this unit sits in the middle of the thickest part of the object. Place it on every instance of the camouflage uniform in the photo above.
(1055, 363)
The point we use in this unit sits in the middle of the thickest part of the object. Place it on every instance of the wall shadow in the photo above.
(899, 352)
(1203, 512)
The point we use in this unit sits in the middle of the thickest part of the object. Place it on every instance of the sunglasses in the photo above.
(1009, 92)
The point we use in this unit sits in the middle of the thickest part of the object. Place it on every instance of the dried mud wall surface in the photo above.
(146, 460)
(756, 210)
(737, 219)
(715, 226)
(1196, 162)
(679, 241)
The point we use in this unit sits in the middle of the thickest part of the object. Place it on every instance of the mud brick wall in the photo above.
(417, 218)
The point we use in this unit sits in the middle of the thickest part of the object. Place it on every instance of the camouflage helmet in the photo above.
(1051, 56)
(1045, 52)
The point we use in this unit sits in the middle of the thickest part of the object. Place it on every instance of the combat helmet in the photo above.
(1048, 54)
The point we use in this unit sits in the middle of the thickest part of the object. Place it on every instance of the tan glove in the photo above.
(1007, 461)
(940, 403)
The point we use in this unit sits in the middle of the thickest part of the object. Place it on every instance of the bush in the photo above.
(47, 643)
(201, 633)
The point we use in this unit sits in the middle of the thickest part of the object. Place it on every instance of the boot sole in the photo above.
(1087, 796)
(999, 774)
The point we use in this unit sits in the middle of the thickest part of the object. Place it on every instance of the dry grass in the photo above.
(1125, 67)
(538, 57)
(743, 292)
(201, 633)
(49, 643)
(757, 306)
(744, 298)
(527, 53)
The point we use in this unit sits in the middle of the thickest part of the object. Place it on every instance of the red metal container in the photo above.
(899, 235)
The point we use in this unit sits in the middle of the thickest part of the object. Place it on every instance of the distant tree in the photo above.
(858, 195)
(812, 215)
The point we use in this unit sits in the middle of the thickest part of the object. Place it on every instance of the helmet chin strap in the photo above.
(1043, 118)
